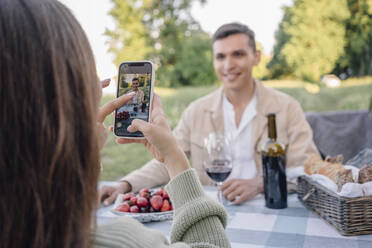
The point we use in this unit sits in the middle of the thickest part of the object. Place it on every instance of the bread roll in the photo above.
(342, 177)
(330, 170)
(313, 164)
(338, 159)
(365, 174)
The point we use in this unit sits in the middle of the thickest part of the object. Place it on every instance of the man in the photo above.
(239, 109)
(139, 97)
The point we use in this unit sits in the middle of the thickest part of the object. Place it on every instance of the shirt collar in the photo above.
(248, 114)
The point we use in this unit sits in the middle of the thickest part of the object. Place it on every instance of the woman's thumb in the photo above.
(139, 125)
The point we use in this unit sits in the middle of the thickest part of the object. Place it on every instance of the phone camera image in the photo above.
(133, 78)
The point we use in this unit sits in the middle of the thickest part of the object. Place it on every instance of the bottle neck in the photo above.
(271, 127)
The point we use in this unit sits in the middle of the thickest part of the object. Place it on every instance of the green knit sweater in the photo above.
(197, 222)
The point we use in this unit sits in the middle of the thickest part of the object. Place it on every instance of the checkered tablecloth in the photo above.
(253, 225)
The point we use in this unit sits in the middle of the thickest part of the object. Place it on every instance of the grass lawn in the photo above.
(119, 160)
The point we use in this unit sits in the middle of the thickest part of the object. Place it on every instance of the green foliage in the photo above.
(168, 35)
(127, 41)
(194, 63)
(261, 71)
(123, 83)
(358, 51)
(318, 37)
(311, 39)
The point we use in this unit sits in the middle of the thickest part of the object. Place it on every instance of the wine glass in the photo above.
(218, 159)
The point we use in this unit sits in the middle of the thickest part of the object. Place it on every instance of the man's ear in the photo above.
(257, 57)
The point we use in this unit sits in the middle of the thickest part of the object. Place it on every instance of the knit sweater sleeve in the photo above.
(198, 221)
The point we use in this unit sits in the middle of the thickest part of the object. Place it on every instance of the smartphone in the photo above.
(134, 76)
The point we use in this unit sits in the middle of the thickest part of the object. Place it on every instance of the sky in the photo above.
(262, 16)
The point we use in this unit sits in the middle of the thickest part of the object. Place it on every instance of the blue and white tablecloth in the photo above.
(253, 225)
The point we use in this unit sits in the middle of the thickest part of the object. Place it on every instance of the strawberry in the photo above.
(127, 196)
(166, 206)
(128, 202)
(165, 195)
(142, 202)
(134, 200)
(156, 202)
(144, 192)
(134, 209)
(159, 192)
(123, 207)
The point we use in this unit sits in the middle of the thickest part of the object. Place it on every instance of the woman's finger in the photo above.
(130, 141)
(156, 104)
(109, 107)
(105, 82)
(139, 125)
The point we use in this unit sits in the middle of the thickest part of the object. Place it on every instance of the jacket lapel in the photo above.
(215, 113)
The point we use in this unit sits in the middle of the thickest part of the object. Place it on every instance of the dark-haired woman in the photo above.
(51, 133)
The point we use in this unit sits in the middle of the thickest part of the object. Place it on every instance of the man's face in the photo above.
(135, 84)
(233, 61)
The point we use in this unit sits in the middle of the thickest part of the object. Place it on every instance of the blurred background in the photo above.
(318, 51)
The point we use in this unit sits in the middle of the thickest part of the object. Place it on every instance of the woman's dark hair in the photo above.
(49, 157)
(235, 28)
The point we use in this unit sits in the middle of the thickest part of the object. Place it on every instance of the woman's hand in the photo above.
(159, 139)
(107, 109)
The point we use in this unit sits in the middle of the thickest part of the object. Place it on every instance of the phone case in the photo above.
(151, 94)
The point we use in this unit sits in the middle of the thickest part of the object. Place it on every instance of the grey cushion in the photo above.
(341, 132)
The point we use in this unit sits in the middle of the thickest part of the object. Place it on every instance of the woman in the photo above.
(51, 133)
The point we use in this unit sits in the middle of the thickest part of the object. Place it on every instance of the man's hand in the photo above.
(240, 190)
(108, 194)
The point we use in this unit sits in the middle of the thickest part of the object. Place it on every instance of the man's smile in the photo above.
(231, 76)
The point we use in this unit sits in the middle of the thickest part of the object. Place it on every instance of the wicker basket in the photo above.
(350, 216)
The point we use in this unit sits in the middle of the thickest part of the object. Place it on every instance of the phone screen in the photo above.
(133, 77)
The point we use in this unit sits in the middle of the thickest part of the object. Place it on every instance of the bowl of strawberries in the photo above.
(146, 206)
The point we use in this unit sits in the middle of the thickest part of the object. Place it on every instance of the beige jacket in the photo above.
(205, 115)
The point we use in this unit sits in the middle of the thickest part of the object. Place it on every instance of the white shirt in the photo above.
(241, 138)
(135, 98)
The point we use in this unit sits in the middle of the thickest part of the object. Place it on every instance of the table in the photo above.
(253, 225)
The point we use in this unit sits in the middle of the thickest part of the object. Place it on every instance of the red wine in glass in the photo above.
(219, 170)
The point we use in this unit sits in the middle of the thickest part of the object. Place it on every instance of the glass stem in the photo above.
(219, 192)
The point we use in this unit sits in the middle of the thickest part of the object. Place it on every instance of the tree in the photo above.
(358, 50)
(165, 32)
(261, 71)
(194, 64)
(311, 39)
(128, 39)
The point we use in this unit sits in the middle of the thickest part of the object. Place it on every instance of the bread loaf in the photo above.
(313, 164)
(338, 159)
(332, 168)
(342, 177)
(365, 174)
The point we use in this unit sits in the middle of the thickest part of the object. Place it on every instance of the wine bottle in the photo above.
(273, 167)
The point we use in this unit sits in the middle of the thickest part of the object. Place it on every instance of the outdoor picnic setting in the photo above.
(186, 123)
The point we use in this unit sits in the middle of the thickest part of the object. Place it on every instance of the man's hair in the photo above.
(49, 154)
(235, 28)
(135, 79)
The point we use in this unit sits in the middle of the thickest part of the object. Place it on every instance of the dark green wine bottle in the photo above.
(273, 167)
